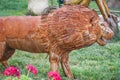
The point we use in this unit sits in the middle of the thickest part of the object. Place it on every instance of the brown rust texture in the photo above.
(58, 33)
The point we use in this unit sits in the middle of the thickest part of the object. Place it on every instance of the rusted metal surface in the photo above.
(58, 33)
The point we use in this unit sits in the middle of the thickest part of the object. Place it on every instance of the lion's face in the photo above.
(106, 34)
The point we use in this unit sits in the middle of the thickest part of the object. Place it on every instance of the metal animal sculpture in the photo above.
(58, 33)
(108, 17)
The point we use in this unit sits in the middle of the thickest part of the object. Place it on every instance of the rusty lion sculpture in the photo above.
(58, 33)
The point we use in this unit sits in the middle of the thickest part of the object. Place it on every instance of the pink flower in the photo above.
(32, 69)
(12, 71)
(54, 75)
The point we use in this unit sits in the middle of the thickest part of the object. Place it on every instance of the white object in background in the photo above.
(37, 6)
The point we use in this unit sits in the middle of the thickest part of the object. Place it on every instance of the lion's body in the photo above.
(24, 33)
(66, 29)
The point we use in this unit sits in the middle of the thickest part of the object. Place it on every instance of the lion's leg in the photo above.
(54, 62)
(65, 66)
(5, 63)
(5, 53)
(2, 50)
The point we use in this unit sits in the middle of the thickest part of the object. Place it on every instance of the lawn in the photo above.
(90, 63)
(13, 7)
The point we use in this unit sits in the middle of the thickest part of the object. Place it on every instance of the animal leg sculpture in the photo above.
(5, 53)
(54, 62)
(85, 2)
(2, 50)
(103, 8)
(65, 66)
(106, 7)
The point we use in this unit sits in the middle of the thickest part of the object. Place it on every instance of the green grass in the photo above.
(90, 63)
(13, 7)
